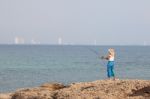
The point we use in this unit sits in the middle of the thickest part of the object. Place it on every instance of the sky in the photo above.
(108, 22)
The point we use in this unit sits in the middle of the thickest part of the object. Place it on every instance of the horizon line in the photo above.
(77, 44)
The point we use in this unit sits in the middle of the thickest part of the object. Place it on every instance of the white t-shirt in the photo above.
(111, 58)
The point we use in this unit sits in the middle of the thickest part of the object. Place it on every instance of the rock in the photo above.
(5, 96)
(45, 91)
(101, 89)
(52, 86)
(104, 89)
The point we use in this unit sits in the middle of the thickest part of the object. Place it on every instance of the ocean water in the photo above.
(29, 66)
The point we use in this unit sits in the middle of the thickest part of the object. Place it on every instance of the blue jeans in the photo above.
(110, 69)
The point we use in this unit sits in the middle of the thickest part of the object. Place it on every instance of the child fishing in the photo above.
(110, 65)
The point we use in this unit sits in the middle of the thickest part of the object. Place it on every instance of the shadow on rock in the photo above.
(141, 92)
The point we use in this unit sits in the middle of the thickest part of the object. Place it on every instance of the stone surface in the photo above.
(101, 89)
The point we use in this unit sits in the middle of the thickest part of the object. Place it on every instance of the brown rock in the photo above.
(52, 86)
(5, 96)
(45, 91)
(102, 89)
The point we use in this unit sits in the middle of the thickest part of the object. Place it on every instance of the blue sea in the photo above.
(32, 65)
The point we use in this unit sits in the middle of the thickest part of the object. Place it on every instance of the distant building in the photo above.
(95, 42)
(59, 41)
(33, 41)
(16, 40)
(19, 40)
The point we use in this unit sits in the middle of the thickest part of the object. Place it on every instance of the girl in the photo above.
(110, 65)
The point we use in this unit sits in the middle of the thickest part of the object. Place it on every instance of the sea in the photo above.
(23, 66)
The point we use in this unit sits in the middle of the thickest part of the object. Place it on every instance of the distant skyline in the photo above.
(76, 22)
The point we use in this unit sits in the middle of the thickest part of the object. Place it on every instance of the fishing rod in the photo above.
(97, 54)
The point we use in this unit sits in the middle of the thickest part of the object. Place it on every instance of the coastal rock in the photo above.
(45, 91)
(5, 96)
(101, 89)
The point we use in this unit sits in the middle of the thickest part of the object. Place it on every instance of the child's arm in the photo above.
(107, 57)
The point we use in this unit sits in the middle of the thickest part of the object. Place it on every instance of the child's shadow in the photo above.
(145, 92)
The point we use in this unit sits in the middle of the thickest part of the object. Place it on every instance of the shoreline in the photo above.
(100, 89)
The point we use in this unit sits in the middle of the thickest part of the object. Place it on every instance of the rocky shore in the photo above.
(101, 89)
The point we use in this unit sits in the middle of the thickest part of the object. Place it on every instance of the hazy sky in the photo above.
(76, 21)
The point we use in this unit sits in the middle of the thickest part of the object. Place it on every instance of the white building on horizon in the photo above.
(33, 41)
(19, 40)
(59, 41)
(95, 42)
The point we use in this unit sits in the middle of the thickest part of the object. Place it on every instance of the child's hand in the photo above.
(102, 57)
